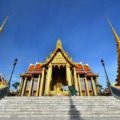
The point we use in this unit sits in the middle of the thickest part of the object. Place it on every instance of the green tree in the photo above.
(15, 85)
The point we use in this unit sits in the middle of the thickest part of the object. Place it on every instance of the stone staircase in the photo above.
(60, 108)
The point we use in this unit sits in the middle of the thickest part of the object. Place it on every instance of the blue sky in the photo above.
(33, 27)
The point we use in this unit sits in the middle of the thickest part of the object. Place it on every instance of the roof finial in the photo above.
(118, 52)
(59, 44)
(114, 32)
(1, 27)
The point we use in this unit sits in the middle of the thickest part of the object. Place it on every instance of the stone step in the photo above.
(61, 97)
(64, 113)
(59, 101)
(39, 98)
(46, 99)
(56, 109)
(97, 97)
(81, 100)
(52, 101)
(60, 105)
(75, 117)
(70, 111)
(56, 103)
(63, 102)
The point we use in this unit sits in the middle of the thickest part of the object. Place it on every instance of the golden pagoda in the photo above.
(54, 76)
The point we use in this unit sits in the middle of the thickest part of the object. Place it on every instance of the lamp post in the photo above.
(107, 78)
(14, 64)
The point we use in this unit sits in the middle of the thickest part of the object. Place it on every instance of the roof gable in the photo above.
(58, 56)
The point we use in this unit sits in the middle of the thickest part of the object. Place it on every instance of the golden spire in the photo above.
(114, 32)
(117, 38)
(59, 44)
(1, 27)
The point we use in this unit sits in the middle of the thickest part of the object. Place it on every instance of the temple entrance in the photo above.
(58, 80)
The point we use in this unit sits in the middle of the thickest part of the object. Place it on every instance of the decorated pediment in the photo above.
(58, 56)
(59, 59)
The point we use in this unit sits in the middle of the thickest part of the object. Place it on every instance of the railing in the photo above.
(115, 92)
(4, 91)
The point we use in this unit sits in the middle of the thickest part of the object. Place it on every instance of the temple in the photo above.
(54, 76)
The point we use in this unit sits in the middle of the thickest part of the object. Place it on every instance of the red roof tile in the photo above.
(79, 66)
(37, 67)
(86, 68)
(31, 68)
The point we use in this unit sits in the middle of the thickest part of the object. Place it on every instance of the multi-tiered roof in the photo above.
(82, 69)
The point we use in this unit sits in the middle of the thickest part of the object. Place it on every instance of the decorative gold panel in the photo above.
(59, 59)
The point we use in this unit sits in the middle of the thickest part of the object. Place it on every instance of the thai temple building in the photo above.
(53, 76)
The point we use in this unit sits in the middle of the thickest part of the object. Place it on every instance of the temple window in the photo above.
(34, 87)
(82, 83)
(89, 84)
(35, 83)
(83, 86)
